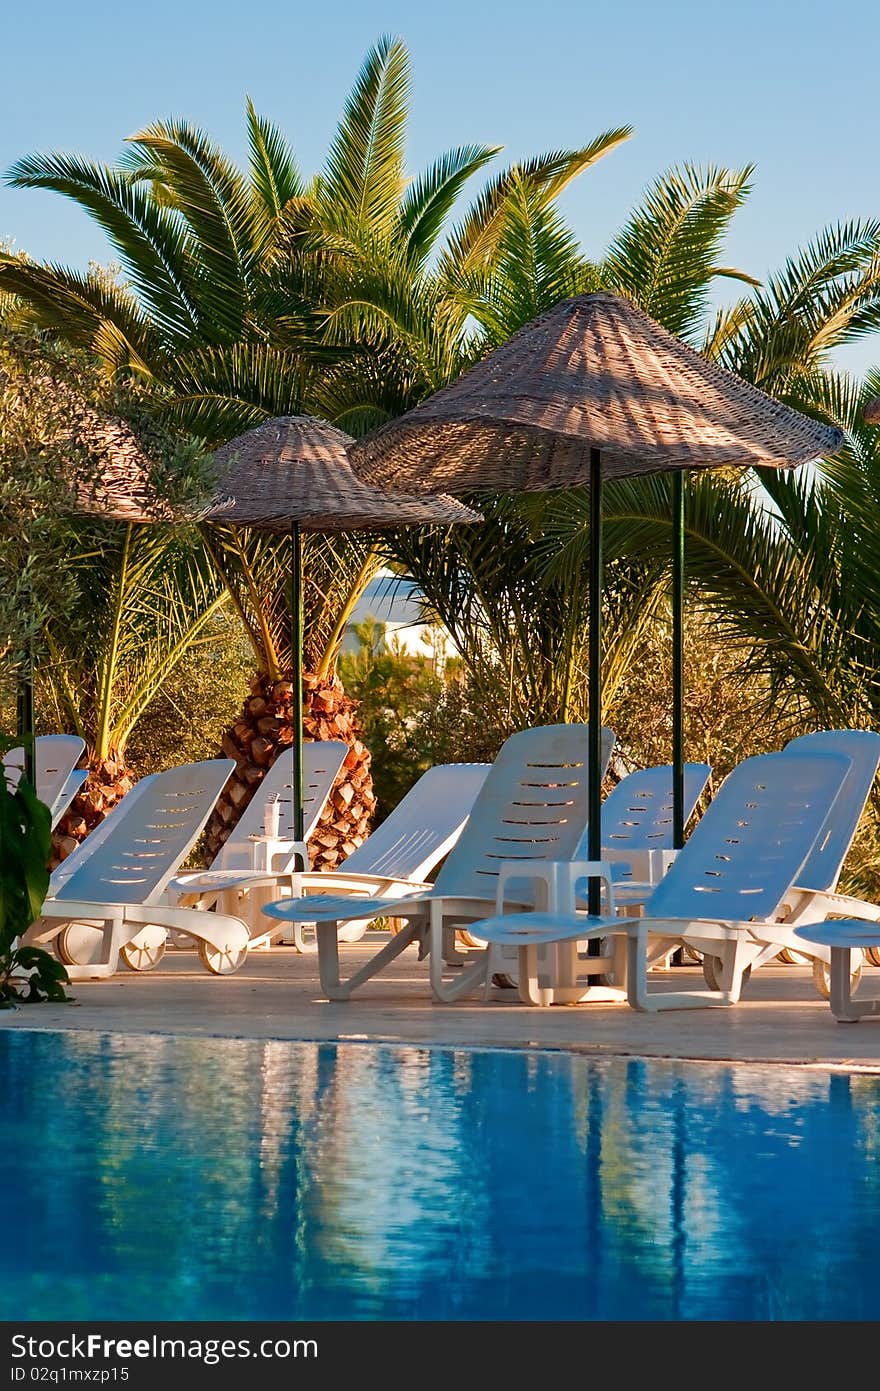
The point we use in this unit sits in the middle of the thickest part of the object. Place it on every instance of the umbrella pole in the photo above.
(595, 658)
(298, 639)
(678, 660)
(24, 701)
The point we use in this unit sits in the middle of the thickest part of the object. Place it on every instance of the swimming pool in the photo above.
(173, 1178)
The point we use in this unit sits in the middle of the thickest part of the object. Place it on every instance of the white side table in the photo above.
(273, 855)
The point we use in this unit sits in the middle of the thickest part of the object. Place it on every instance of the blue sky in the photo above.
(790, 86)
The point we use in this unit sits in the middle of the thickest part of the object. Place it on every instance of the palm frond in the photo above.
(825, 296)
(472, 243)
(664, 257)
(214, 200)
(89, 312)
(218, 393)
(537, 263)
(363, 179)
(275, 175)
(429, 200)
(151, 242)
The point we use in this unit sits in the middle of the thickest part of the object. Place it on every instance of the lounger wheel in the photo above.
(794, 958)
(145, 950)
(80, 944)
(822, 975)
(712, 970)
(221, 961)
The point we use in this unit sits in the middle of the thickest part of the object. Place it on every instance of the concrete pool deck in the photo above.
(276, 995)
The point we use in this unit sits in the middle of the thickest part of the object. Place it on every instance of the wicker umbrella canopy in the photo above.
(295, 468)
(592, 389)
(120, 487)
(292, 474)
(592, 373)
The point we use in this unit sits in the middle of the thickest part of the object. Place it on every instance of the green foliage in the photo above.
(416, 713)
(195, 704)
(393, 690)
(27, 974)
(146, 597)
(35, 471)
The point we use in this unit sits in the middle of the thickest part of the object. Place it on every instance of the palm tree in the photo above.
(242, 301)
(257, 574)
(786, 563)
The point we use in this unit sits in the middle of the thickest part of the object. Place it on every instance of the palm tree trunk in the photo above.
(264, 730)
(108, 781)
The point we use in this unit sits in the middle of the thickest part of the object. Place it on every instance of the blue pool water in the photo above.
(156, 1178)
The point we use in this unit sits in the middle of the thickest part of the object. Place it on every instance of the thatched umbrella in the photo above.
(871, 411)
(594, 388)
(292, 474)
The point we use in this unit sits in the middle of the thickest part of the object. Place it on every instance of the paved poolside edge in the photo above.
(276, 997)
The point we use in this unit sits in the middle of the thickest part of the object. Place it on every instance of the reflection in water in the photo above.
(164, 1178)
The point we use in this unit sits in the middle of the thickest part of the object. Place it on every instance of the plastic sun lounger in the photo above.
(532, 805)
(111, 893)
(723, 892)
(814, 896)
(396, 858)
(237, 883)
(637, 828)
(817, 893)
(58, 778)
(637, 834)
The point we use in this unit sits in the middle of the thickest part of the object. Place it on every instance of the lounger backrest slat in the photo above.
(822, 869)
(322, 761)
(747, 848)
(532, 806)
(146, 836)
(424, 825)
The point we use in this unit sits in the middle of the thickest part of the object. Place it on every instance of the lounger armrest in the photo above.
(559, 880)
(366, 885)
(844, 904)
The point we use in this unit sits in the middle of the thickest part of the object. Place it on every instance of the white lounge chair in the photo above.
(532, 806)
(241, 878)
(723, 893)
(637, 826)
(637, 836)
(814, 895)
(109, 899)
(395, 859)
(58, 778)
